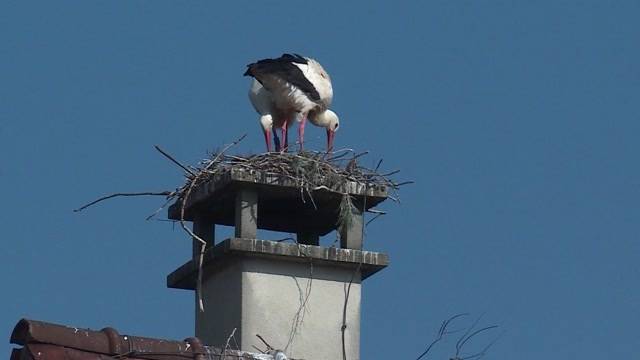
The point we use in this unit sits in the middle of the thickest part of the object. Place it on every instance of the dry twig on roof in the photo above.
(441, 333)
(468, 334)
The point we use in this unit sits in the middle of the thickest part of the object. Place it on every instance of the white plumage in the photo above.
(292, 87)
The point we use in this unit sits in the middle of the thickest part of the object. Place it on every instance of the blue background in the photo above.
(518, 122)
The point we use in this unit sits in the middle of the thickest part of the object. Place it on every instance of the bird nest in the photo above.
(313, 170)
(336, 172)
(309, 170)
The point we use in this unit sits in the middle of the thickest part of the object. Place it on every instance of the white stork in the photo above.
(291, 87)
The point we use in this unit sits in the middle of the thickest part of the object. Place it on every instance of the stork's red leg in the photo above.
(301, 131)
(267, 139)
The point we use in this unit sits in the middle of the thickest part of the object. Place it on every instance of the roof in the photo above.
(46, 341)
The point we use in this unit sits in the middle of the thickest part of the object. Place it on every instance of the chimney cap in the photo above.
(284, 205)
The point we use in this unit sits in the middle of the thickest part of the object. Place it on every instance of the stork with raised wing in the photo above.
(292, 87)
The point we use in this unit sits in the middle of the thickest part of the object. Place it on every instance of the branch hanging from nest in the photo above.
(146, 193)
(185, 198)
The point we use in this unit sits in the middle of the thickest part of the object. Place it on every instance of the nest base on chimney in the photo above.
(274, 201)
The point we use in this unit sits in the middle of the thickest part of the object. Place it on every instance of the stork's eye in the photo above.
(323, 75)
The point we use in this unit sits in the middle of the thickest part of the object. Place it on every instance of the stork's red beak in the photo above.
(330, 135)
(267, 139)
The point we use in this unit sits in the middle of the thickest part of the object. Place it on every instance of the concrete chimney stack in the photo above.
(291, 293)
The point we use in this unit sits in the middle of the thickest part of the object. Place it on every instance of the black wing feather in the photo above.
(284, 68)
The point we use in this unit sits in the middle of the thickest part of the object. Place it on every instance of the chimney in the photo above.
(293, 294)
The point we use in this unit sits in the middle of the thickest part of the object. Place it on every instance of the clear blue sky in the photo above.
(518, 122)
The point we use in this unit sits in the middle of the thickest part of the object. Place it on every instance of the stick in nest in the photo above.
(185, 198)
(174, 160)
(146, 193)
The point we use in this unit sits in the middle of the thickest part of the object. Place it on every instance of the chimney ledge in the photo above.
(218, 257)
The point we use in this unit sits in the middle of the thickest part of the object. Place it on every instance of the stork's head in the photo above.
(328, 120)
(266, 121)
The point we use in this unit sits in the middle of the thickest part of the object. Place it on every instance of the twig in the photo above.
(373, 218)
(174, 160)
(405, 183)
(184, 226)
(466, 337)
(160, 208)
(298, 318)
(226, 346)
(269, 347)
(484, 351)
(462, 340)
(344, 311)
(360, 155)
(441, 333)
(377, 166)
(476, 333)
(376, 211)
(162, 193)
(390, 173)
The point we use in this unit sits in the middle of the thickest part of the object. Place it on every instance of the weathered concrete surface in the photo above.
(246, 213)
(295, 306)
(283, 204)
(229, 250)
(351, 237)
(222, 296)
(291, 294)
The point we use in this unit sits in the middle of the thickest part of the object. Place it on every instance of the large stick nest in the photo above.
(312, 170)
